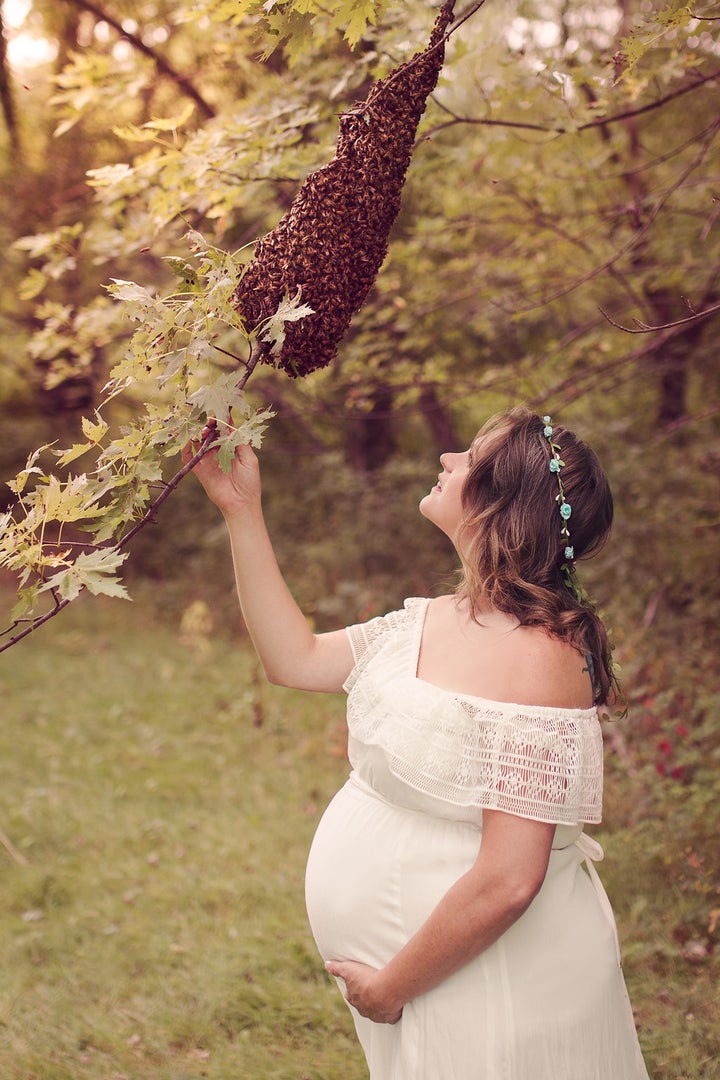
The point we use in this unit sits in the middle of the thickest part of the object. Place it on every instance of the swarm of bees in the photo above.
(334, 238)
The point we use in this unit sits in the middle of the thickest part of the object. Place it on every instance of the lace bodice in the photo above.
(454, 754)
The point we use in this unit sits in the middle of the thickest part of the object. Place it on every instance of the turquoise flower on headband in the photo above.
(556, 463)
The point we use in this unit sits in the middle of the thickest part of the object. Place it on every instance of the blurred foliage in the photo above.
(566, 164)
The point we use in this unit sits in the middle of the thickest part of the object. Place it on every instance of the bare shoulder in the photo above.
(550, 671)
(497, 659)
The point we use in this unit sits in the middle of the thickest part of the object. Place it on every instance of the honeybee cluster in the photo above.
(334, 238)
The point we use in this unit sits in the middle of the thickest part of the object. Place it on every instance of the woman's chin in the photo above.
(430, 511)
(424, 506)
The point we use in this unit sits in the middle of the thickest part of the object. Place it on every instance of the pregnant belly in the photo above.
(375, 872)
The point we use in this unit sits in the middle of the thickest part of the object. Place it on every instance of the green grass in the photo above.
(164, 801)
(160, 800)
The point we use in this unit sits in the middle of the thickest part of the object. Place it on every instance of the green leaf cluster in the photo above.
(65, 534)
(651, 29)
(296, 24)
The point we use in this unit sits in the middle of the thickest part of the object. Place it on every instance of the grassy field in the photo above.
(157, 803)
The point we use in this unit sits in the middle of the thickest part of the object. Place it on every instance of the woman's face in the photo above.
(443, 503)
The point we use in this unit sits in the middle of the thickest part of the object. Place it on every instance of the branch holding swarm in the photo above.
(148, 518)
(334, 238)
(150, 515)
(330, 244)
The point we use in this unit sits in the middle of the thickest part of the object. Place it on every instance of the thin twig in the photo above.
(563, 129)
(401, 71)
(708, 134)
(33, 624)
(645, 328)
(168, 489)
(226, 352)
(12, 850)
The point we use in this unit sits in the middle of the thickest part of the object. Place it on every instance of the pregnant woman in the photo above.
(450, 885)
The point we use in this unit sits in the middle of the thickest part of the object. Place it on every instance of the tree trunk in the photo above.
(671, 363)
(371, 441)
(438, 419)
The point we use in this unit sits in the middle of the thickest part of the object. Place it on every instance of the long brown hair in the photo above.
(513, 553)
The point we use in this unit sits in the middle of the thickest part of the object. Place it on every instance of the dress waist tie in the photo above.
(592, 852)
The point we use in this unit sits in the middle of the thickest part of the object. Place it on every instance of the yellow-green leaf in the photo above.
(94, 430)
(171, 123)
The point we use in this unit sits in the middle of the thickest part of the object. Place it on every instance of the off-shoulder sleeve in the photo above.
(365, 638)
(541, 764)
(534, 762)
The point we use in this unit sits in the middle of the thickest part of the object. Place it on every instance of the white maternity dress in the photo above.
(547, 1001)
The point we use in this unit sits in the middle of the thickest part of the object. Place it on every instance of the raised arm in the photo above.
(290, 653)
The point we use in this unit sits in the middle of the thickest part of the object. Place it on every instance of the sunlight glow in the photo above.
(24, 49)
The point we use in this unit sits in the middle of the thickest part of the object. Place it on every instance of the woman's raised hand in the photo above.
(232, 492)
(291, 654)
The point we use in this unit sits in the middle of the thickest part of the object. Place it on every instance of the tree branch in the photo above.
(7, 100)
(256, 355)
(562, 129)
(709, 134)
(652, 105)
(645, 328)
(33, 624)
(164, 66)
(422, 56)
(60, 605)
(609, 374)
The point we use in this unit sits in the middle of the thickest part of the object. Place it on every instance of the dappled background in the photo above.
(558, 244)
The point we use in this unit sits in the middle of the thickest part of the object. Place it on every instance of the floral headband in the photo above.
(556, 464)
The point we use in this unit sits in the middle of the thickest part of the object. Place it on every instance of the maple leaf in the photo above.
(92, 570)
(19, 483)
(93, 431)
(248, 433)
(66, 457)
(355, 15)
(219, 397)
(289, 310)
(139, 300)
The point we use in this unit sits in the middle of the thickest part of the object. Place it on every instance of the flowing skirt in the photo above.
(547, 1001)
